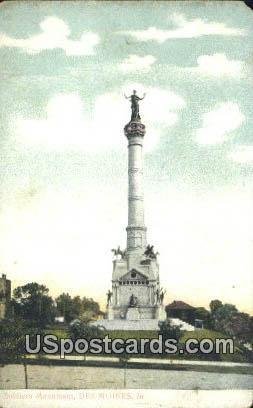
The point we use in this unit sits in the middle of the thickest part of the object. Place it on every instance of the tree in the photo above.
(12, 342)
(169, 331)
(32, 303)
(67, 308)
(227, 319)
(214, 305)
(76, 308)
(90, 309)
(203, 314)
(87, 316)
(239, 325)
(83, 330)
(222, 316)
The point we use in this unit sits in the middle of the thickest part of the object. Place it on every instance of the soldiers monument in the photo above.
(135, 301)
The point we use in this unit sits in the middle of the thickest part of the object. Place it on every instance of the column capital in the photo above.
(134, 128)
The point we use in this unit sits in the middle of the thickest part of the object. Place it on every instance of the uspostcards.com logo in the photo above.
(51, 344)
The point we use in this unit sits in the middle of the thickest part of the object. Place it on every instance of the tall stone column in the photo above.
(136, 230)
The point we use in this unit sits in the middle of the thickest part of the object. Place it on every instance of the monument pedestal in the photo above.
(160, 313)
(110, 314)
(132, 313)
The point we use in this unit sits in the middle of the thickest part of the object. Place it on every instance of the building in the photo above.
(136, 299)
(5, 297)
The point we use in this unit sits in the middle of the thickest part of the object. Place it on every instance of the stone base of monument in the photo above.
(124, 324)
(133, 313)
(160, 313)
(110, 314)
(132, 318)
(139, 325)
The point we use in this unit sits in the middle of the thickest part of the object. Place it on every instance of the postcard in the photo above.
(126, 221)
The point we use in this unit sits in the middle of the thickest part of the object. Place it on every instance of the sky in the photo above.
(65, 67)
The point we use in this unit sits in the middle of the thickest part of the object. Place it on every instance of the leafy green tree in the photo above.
(203, 314)
(222, 316)
(90, 309)
(169, 331)
(12, 339)
(12, 342)
(227, 319)
(67, 308)
(239, 326)
(87, 316)
(32, 303)
(77, 305)
(80, 329)
(214, 305)
(76, 308)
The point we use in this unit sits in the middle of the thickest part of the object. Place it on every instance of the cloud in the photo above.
(70, 125)
(135, 63)
(65, 125)
(242, 154)
(184, 29)
(218, 65)
(54, 34)
(219, 123)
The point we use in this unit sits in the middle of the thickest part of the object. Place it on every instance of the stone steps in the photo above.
(183, 325)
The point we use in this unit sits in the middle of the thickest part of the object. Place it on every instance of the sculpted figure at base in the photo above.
(133, 301)
(120, 252)
(162, 293)
(109, 297)
(157, 293)
(149, 252)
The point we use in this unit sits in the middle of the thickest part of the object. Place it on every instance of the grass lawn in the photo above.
(237, 356)
(132, 334)
(149, 334)
(59, 332)
(200, 334)
(152, 334)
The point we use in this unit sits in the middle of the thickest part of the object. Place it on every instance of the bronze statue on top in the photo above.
(135, 106)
